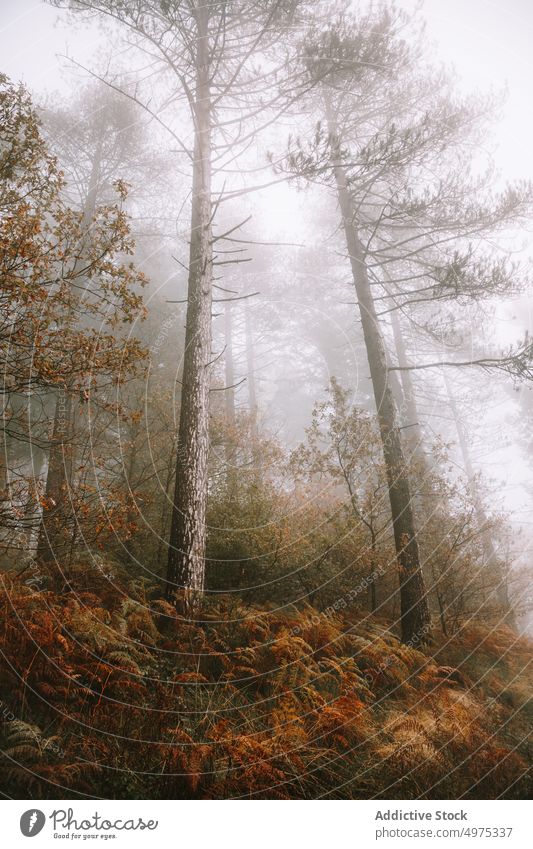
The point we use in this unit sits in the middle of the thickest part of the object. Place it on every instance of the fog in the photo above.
(294, 275)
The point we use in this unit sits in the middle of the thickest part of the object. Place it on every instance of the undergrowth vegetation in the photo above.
(113, 695)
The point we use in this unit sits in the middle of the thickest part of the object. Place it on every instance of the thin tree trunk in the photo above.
(89, 207)
(128, 488)
(60, 459)
(442, 615)
(411, 419)
(229, 399)
(397, 394)
(229, 370)
(186, 557)
(412, 431)
(373, 589)
(493, 561)
(52, 531)
(3, 462)
(171, 469)
(252, 387)
(415, 618)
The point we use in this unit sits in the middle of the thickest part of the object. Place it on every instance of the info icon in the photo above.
(32, 822)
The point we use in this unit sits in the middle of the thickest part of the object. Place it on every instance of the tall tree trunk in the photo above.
(412, 431)
(252, 387)
(373, 597)
(229, 369)
(229, 398)
(410, 409)
(415, 618)
(491, 557)
(53, 530)
(186, 556)
(3, 458)
(60, 459)
(442, 607)
(397, 393)
(171, 470)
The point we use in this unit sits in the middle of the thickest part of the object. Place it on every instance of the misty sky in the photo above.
(489, 41)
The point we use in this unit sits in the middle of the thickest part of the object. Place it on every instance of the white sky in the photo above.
(489, 42)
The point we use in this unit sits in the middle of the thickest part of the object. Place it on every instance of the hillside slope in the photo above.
(105, 697)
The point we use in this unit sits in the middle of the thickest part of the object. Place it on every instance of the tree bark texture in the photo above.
(186, 557)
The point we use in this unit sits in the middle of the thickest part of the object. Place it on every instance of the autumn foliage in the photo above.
(109, 693)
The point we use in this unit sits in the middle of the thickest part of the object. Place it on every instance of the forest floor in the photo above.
(106, 694)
